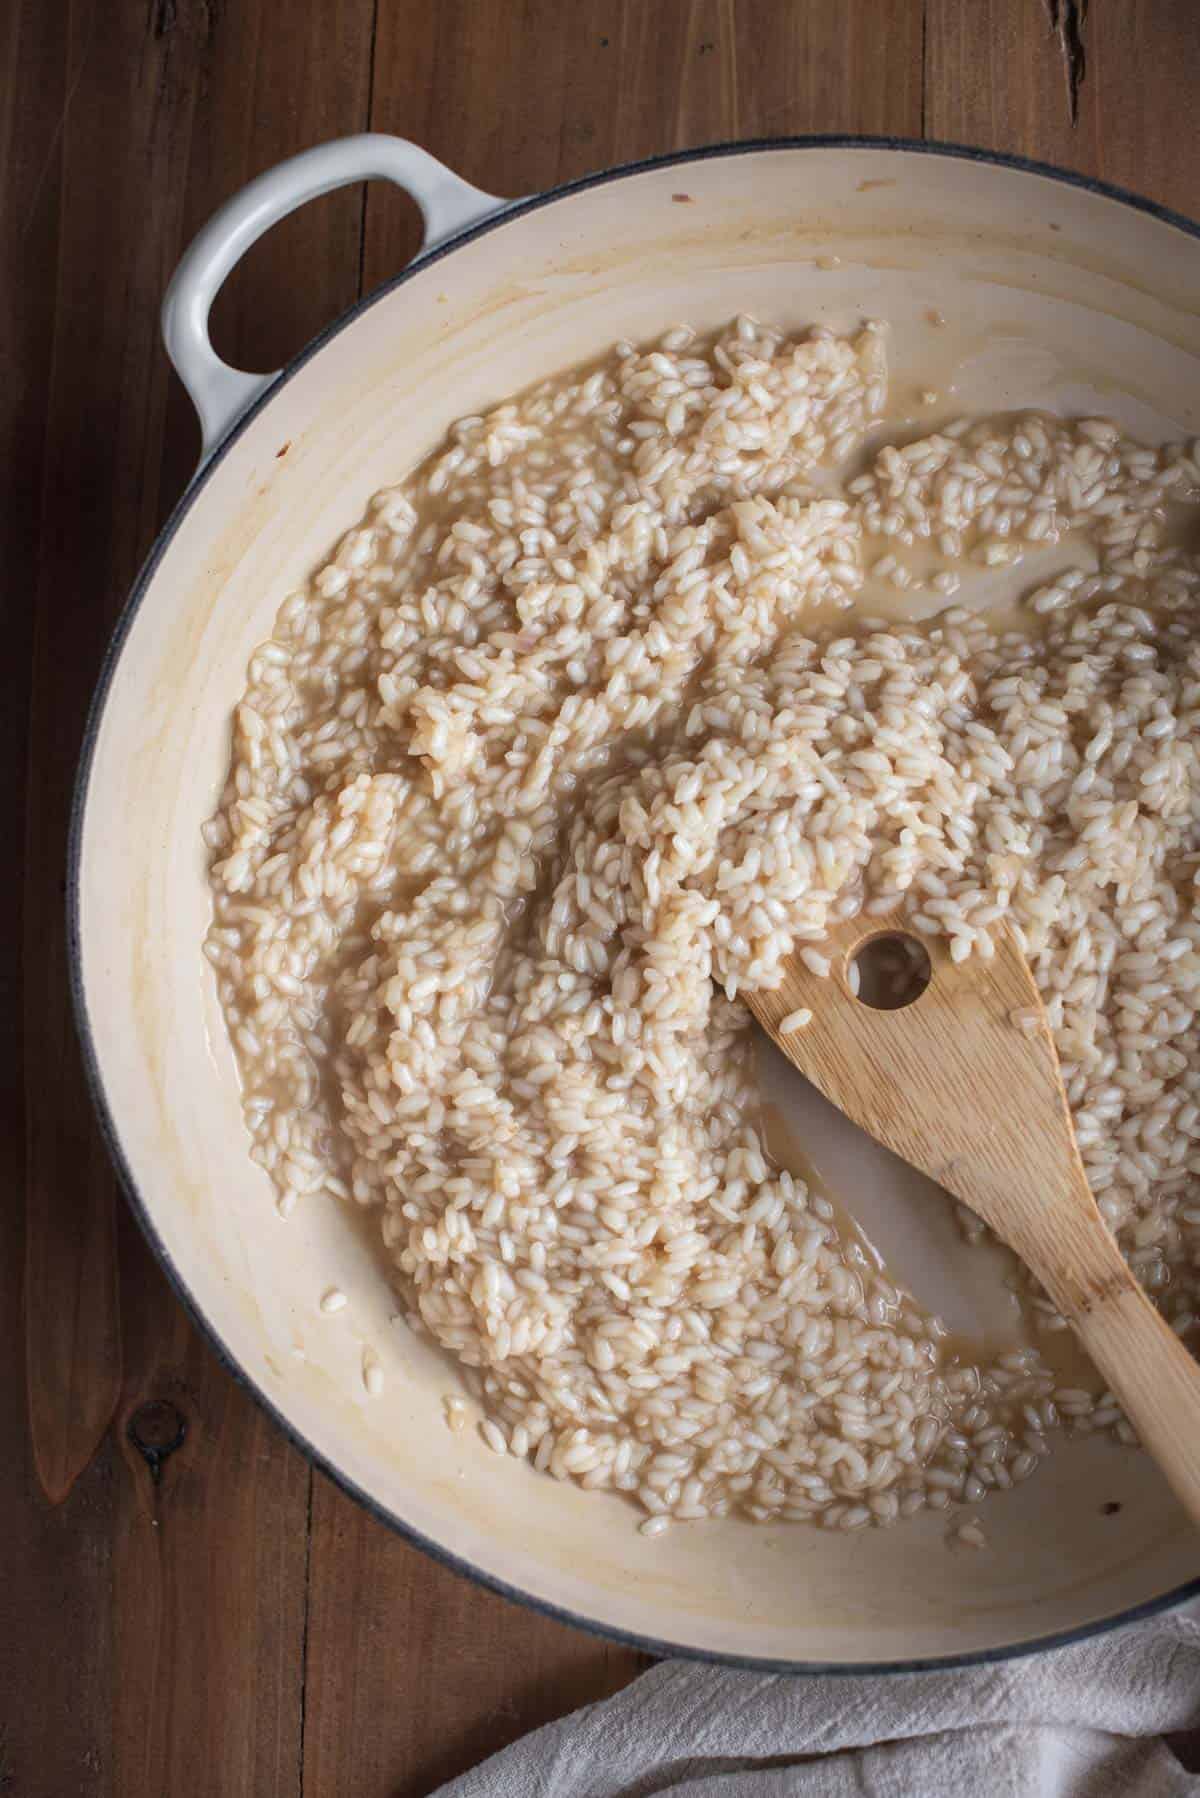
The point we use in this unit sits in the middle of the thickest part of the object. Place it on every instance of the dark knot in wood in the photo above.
(156, 1430)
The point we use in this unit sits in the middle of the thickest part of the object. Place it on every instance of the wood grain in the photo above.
(51, 1559)
(961, 1080)
(414, 1674)
(208, 1568)
(72, 1366)
(152, 1634)
(994, 76)
(517, 98)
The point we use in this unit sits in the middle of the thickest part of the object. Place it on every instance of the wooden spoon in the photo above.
(964, 1083)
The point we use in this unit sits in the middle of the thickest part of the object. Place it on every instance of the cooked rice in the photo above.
(573, 738)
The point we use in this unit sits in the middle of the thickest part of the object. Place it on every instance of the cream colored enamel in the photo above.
(1102, 313)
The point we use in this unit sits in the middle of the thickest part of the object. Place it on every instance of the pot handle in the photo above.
(221, 394)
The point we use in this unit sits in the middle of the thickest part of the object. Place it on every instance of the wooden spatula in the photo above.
(964, 1083)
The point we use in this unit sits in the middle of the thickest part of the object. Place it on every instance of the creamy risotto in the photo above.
(574, 736)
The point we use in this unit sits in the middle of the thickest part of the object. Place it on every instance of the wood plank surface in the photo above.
(151, 1628)
(995, 75)
(184, 1608)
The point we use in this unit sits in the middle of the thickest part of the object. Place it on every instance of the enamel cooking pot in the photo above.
(1005, 285)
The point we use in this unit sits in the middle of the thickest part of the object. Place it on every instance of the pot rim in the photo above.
(142, 1208)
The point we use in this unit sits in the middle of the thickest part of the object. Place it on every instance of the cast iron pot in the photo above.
(1005, 285)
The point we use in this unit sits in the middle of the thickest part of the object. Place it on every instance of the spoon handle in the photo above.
(1145, 1364)
(956, 1082)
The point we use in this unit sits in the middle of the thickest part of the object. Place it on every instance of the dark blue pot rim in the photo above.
(108, 1125)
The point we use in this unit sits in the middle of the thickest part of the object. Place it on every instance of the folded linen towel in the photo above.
(1085, 1721)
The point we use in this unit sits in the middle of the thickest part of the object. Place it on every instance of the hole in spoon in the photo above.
(890, 971)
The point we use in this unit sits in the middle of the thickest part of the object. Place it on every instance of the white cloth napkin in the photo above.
(1086, 1721)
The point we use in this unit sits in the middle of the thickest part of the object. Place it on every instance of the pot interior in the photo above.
(1003, 288)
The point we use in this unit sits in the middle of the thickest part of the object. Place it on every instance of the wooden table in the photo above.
(185, 1607)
